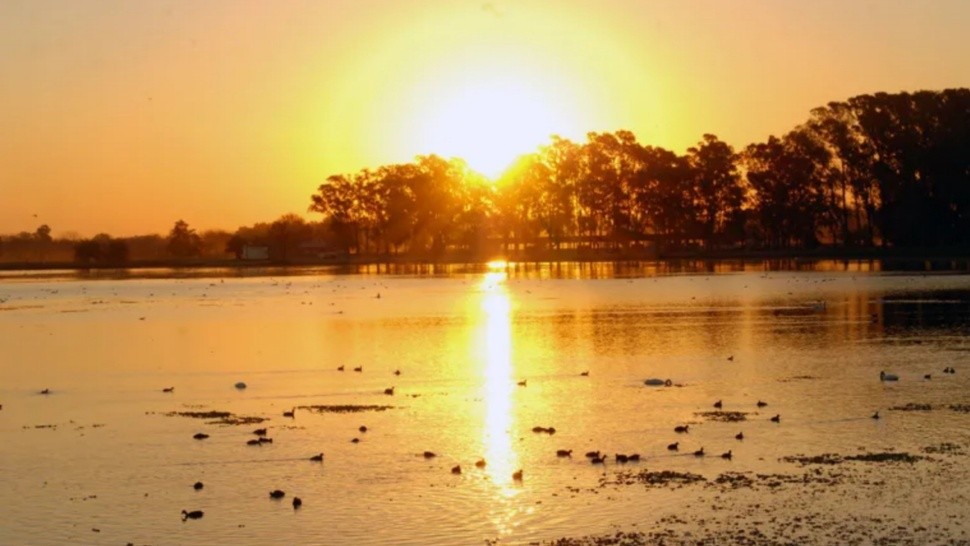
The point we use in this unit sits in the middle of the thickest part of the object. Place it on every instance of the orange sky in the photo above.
(123, 116)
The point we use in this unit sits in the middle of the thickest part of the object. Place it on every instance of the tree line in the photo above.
(880, 170)
(889, 170)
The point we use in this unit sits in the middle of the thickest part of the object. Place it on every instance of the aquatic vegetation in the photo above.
(345, 408)
(723, 416)
(224, 418)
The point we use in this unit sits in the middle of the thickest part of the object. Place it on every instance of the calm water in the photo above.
(115, 469)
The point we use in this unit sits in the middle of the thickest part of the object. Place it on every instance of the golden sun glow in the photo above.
(490, 123)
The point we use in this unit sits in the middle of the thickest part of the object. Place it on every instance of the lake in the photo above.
(484, 355)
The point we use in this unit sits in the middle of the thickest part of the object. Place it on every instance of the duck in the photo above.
(875, 415)
(318, 458)
(726, 455)
(635, 458)
(456, 469)
(523, 382)
(359, 369)
(681, 429)
(429, 454)
(620, 458)
(197, 485)
(656, 382)
(200, 436)
(397, 372)
(389, 391)
(564, 453)
(718, 404)
(194, 514)
(264, 440)
(240, 385)
(591, 454)
(731, 358)
(276, 494)
(674, 446)
(480, 463)
(517, 475)
(883, 376)
(260, 432)
(290, 413)
(355, 440)
(168, 389)
(584, 374)
(297, 502)
(340, 368)
(776, 418)
(927, 377)
(699, 452)
(762, 404)
(45, 391)
(739, 436)
(254, 443)
(362, 428)
(598, 460)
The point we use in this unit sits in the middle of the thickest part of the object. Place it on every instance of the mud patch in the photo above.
(347, 408)
(723, 416)
(945, 448)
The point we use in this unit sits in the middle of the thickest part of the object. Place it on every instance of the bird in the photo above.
(875, 415)
(776, 418)
(389, 391)
(522, 383)
(883, 376)
(197, 486)
(591, 454)
(633, 458)
(254, 442)
(620, 458)
(674, 446)
(397, 372)
(717, 404)
(297, 502)
(762, 404)
(200, 436)
(681, 428)
(429, 454)
(194, 514)
(517, 475)
(260, 432)
(726, 455)
(318, 458)
(456, 469)
(168, 389)
(276, 494)
(699, 452)
(362, 428)
(927, 377)
(599, 460)
(564, 453)
(739, 436)
(355, 440)
(45, 391)
(359, 369)
(480, 463)
(340, 368)
(264, 440)
(585, 374)
(289, 413)
(731, 358)
(654, 382)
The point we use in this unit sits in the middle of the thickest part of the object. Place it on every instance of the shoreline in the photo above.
(959, 260)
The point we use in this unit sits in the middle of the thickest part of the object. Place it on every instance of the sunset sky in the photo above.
(123, 116)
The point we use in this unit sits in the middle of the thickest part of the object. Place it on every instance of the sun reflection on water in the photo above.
(497, 393)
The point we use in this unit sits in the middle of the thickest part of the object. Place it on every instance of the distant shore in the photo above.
(942, 258)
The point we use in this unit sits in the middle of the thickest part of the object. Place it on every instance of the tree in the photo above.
(183, 242)
(718, 194)
(286, 234)
(43, 233)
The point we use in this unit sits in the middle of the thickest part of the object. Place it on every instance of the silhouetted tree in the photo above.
(183, 242)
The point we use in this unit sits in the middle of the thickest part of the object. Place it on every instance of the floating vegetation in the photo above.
(912, 406)
(224, 418)
(962, 408)
(346, 408)
(648, 478)
(797, 378)
(832, 458)
(946, 448)
(724, 416)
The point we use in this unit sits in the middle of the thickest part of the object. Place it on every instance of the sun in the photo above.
(489, 122)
